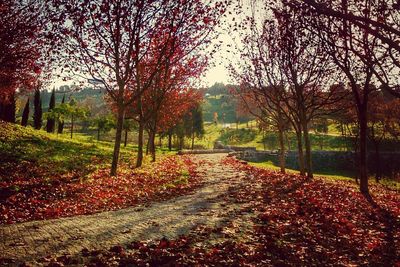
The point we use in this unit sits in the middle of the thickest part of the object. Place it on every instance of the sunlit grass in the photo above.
(330, 176)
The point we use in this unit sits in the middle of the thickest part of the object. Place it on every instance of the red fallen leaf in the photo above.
(164, 243)
(117, 249)
(135, 245)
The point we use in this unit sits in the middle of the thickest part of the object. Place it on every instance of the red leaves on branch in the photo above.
(20, 47)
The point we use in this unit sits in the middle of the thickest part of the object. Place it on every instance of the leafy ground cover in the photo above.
(297, 222)
(29, 198)
(43, 176)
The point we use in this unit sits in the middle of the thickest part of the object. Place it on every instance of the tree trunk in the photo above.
(307, 144)
(117, 143)
(98, 134)
(169, 141)
(363, 174)
(72, 125)
(148, 144)
(181, 142)
(281, 151)
(263, 139)
(152, 145)
(300, 152)
(281, 143)
(139, 159)
(378, 174)
(126, 137)
(288, 141)
(192, 139)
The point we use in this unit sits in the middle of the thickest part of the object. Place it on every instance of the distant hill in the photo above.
(218, 99)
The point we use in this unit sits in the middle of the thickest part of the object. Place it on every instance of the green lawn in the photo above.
(337, 175)
(58, 152)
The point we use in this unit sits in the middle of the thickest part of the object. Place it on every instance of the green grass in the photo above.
(60, 154)
(331, 176)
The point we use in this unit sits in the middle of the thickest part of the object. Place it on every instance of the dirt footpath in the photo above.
(206, 206)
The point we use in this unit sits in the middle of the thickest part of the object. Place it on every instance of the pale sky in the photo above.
(217, 74)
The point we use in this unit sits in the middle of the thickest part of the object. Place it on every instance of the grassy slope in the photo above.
(249, 135)
(328, 176)
(81, 154)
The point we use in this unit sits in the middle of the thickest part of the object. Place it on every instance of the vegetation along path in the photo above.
(206, 206)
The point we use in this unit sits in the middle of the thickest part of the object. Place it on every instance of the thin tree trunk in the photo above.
(363, 150)
(378, 175)
(72, 125)
(169, 141)
(98, 134)
(126, 137)
(300, 152)
(263, 139)
(117, 143)
(307, 144)
(288, 140)
(139, 159)
(148, 144)
(152, 145)
(281, 144)
(281, 151)
(192, 139)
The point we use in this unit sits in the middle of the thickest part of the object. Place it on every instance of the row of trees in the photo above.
(295, 54)
(141, 52)
(144, 54)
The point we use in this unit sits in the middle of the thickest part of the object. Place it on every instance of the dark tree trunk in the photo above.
(281, 144)
(300, 152)
(98, 134)
(126, 137)
(152, 145)
(378, 174)
(139, 159)
(363, 174)
(72, 125)
(288, 141)
(25, 114)
(118, 136)
(192, 139)
(307, 145)
(169, 141)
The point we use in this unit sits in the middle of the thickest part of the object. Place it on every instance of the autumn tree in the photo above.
(110, 41)
(21, 49)
(283, 71)
(357, 53)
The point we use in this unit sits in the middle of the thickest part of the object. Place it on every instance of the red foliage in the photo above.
(19, 47)
(37, 199)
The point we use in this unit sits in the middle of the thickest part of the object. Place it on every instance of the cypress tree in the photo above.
(51, 121)
(37, 113)
(61, 123)
(25, 114)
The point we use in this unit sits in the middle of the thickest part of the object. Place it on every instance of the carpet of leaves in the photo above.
(26, 196)
(297, 222)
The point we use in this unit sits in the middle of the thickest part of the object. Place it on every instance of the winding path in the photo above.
(206, 206)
